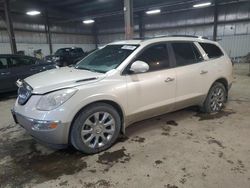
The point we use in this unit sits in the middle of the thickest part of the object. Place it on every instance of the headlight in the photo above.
(55, 99)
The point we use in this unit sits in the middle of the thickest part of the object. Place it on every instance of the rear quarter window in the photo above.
(211, 50)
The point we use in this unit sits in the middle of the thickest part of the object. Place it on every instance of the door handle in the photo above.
(33, 69)
(168, 79)
(203, 72)
(5, 73)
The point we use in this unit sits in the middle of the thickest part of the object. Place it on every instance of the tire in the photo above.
(64, 64)
(216, 98)
(88, 133)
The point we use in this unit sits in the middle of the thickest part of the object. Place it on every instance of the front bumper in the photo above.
(56, 135)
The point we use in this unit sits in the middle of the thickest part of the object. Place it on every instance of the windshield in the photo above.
(107, 58)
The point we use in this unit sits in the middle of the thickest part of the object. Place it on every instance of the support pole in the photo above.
(141, 25)
(128, 18)
(215, 20)
(48, 33)
(9, 25)
(95, 34)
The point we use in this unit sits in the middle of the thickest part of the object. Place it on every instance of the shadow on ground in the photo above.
(23, 162)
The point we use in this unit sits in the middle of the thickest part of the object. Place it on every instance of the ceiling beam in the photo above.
(138, 9)
(61, 12)
(60, 3)
(19, 13)
(177, 26)
(144, 8)
(43, 31)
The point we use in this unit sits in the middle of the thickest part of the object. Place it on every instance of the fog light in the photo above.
(44, 125)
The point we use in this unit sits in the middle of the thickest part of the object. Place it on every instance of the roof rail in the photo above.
(191, 36)
(161, 36)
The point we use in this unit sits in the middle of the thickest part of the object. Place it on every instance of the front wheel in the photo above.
(216, 98)
(96, 128)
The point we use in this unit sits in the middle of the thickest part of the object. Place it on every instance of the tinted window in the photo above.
(63, 51)
(186, 53)
(156, 57)
(77, 50)
(21, 61)
(211, 50)
(3, 63)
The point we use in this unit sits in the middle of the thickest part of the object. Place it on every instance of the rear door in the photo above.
(5, 76)
(190, 73)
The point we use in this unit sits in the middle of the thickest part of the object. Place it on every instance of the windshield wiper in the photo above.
(91, 70)
(81, 68)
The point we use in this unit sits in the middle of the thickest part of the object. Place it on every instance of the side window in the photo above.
(3, 63)
(75, 52)
(156, 56)
(186, 53)
(78, 50)
(211, 50)
(21, 61)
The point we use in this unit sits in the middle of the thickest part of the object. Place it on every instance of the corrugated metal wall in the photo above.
(233, 28)
(236, 46)
(30, 37)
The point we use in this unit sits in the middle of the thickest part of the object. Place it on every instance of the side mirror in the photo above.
(139, 67)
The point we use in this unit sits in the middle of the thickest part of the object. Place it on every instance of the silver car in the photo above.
(91, 104)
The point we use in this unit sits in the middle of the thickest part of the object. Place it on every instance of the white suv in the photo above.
(90, 104)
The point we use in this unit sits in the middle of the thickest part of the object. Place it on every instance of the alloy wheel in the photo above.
(98, 129)
(217, 99)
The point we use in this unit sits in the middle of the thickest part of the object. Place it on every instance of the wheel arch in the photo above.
(223, 81)
(110, 102)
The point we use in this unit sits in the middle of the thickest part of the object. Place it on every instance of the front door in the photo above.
(151, 93)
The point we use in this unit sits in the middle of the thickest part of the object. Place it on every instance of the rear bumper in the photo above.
(54, 137)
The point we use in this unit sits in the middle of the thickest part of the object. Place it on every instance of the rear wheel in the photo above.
(96, 128)
(216, 98)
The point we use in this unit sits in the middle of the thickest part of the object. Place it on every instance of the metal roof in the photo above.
(77, 10)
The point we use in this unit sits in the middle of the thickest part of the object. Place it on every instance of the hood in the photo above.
(61, 78)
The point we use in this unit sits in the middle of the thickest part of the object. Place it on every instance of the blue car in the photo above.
(14, 67)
